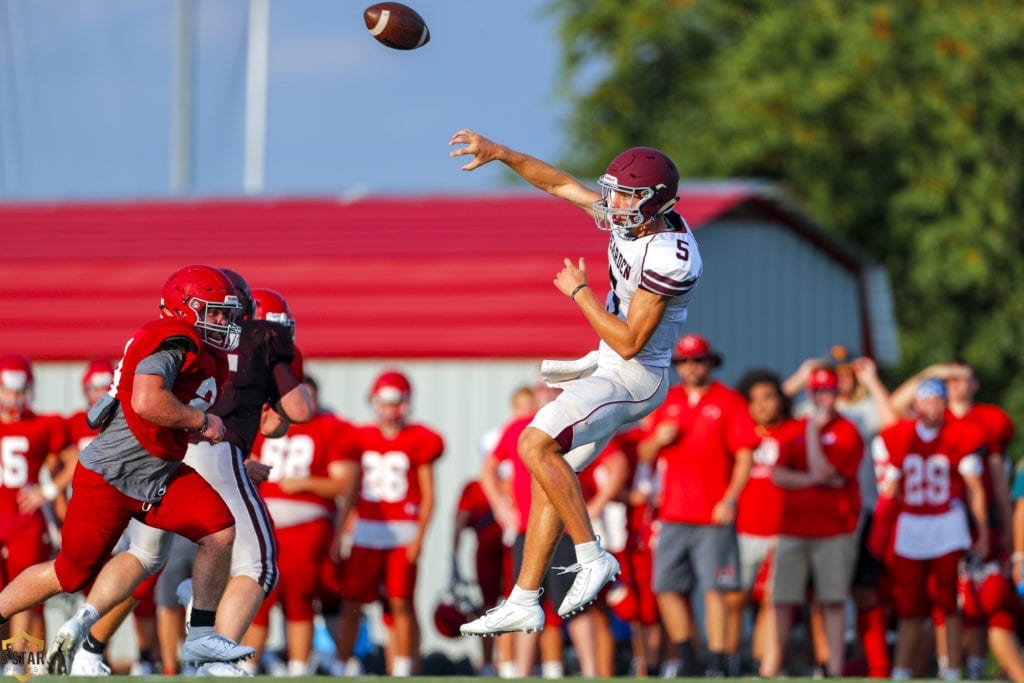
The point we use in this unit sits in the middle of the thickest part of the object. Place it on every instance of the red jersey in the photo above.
(199, 381)
(507, 450)
(307, 450)
(759, 509)
(998, 428)
(822, 511)
(24, 447)
(929, 471)
(699, 464)
(390, 489)
(79, 431)
(474, 503)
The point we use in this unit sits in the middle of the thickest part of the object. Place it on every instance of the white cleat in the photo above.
(209, 646)
(222, 670)
(89, 664)
(61, 653)
(507, 617)
(590, 579)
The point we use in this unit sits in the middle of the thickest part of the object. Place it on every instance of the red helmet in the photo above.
(98, 375)
(643, 174)
(391, 386)
(204, 296)
(270, 305)
(242, 289)
(455, 607)
(16, 373)
(15, 377)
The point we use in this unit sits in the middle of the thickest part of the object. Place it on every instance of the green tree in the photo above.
(897, 123)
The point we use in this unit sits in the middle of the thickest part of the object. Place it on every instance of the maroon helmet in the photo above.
(647, 177)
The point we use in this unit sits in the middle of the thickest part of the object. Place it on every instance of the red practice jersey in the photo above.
(759, 509)
(390, 489)
(698, 466)
(24, 447)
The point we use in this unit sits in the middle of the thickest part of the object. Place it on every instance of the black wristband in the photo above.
(577, 289)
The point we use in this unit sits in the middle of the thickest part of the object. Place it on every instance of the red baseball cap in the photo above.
(823, 378)
(99, 374)
(695, 346)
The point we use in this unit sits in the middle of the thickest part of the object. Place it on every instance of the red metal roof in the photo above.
(421, 277)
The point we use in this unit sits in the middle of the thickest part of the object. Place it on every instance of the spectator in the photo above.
(817, 468)
(705, 436)
(759, 514)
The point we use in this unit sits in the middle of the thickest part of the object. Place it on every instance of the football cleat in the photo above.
(507, 617)
(203, 645)
(590, 579)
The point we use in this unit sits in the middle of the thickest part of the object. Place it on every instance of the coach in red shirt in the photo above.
(705, 438)
(820, 509)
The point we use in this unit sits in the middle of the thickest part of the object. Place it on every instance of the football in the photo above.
(397, 26)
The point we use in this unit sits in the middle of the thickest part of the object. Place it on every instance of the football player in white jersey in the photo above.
(654, 264)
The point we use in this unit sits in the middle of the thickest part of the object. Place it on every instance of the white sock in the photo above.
(551, 670)
(588, 552)
(87, 614)
(401, 667)
(900, 674)
(297, 667)
(951, 675)
(353, 667)
(507, 670)
(521, 596)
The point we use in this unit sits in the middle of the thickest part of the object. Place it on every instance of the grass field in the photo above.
(418, 679)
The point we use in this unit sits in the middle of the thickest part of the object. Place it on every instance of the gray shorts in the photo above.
(754, 550)
(829, 561)
(689, 553)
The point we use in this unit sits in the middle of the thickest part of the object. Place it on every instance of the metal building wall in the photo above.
(770, 298)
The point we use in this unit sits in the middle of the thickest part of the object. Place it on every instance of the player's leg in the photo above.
(253, 567)
(673, 579)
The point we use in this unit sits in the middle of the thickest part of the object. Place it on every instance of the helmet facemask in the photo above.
(217, 321)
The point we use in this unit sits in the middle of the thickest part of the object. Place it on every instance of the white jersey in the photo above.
(666, 263)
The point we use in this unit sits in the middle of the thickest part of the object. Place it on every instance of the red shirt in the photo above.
(199, 382)
(929, 470)
(307, 450)
(998, 428)
(759, 509)
(24, 447)
(822, 511)
(390, 489)
(474, 503)
(699, 464)
(79, 431)
(508, 450)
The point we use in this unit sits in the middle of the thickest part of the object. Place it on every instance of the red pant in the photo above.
(98, 513)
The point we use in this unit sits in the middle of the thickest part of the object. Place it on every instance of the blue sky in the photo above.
(85, 97)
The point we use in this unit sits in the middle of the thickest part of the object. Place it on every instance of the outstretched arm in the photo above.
(538, 173)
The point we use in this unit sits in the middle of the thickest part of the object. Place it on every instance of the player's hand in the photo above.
(258, 472)
(724, 512)
(30, 499)
(215, 430)
(981, 545)
(570, 276)
(482, 149)
(412, 551)
(665, 433)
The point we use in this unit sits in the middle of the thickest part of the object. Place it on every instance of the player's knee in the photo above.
(534, 445)
(151, 560)
(256, 570)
